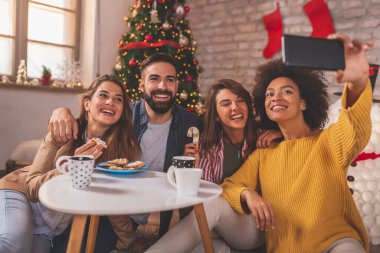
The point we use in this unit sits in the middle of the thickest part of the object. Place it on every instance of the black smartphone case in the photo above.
(313, 53)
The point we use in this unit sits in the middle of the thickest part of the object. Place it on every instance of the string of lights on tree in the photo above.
(160, 26)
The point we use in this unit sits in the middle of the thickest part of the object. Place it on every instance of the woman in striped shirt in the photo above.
(229, 135)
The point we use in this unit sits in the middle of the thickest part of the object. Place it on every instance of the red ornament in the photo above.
(189, 78)
(139, 27)
(132, 63)
(160, 1)
(148, 1)
(120, 43)
(187, 8)
(148, 37)
(195, 62)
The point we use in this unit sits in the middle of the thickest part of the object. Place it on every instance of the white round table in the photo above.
(114, 194)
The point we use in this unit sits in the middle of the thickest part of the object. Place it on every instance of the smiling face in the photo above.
(283, 102)
(232, 110)
(106, 105)
(159, 85)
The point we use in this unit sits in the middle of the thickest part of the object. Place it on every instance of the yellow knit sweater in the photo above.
(305, 181)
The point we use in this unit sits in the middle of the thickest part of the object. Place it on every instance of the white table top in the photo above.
(110, 194)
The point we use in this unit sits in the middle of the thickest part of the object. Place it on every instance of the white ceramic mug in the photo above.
(186, 180)
(79, 168)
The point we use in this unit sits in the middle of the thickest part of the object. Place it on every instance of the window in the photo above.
(44, 32)
(7, 36)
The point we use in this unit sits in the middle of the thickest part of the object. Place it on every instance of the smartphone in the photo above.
(313, 53)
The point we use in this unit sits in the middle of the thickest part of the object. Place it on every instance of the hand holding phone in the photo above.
(313, 53)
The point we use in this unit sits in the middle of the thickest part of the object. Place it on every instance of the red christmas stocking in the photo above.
(273, 24)
(320, 18)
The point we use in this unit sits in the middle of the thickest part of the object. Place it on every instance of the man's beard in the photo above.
(160, 106)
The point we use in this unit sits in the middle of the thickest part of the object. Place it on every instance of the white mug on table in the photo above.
(79, 168)
(186, 180)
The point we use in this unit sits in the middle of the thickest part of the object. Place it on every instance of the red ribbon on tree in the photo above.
(143, 44)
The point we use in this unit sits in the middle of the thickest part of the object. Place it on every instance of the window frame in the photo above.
(20, 50)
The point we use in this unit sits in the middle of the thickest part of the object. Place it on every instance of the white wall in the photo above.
(102, 27)
(87, 41)
(24, 115)
(111, 28)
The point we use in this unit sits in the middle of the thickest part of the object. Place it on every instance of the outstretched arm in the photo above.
(357, 68)
(352, 131)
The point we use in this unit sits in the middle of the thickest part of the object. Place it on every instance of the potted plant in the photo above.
(46, 75)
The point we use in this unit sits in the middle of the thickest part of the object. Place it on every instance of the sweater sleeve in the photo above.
(246, 177)
(42, 168)
(349, 136)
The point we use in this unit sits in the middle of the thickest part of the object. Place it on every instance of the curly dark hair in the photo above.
(313, 89)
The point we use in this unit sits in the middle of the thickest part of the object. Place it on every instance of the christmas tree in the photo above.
(160, 26)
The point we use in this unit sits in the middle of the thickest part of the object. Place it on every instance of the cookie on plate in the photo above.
(119, 161)
(135, 165)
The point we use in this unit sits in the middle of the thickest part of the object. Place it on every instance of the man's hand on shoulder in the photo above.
(267, 137)
(63, 126)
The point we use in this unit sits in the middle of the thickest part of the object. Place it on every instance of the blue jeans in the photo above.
(16, 226)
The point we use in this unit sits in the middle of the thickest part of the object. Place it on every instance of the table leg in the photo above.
(203, 228)
(92, 231)
(76, 233)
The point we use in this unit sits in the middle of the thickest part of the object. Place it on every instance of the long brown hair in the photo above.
(213, 130)
(120, 137)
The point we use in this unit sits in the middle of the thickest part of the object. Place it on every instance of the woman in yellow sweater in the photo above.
(304, 176)
(306, 205)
